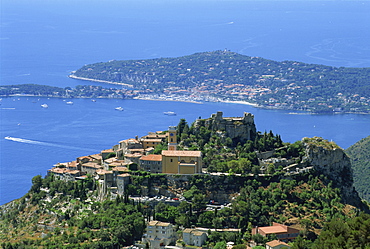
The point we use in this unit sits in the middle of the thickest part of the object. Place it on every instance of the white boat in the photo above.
(119, 108)
(44, 106)
(69, 103)
(169, 113)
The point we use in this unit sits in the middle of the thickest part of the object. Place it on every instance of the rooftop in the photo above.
(158, 223)
(273, 229)
(151, 157)
(276, 243)
(181, 153)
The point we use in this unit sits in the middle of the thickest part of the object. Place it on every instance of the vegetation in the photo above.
(225, 74)
(58, 214)
(78, 214)
(221, 154)
(349, 233)
(67, 92)
(360, 159)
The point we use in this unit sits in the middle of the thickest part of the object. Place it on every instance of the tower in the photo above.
(172, 140)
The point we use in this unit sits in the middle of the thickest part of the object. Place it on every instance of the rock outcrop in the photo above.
(330, 160)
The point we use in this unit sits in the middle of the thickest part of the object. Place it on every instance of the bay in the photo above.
(41, 42)
(33, 139)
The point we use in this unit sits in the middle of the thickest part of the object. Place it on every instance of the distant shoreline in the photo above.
(101, 81)
(176, 100)
(241, 102)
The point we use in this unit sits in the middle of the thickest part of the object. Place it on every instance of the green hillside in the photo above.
(231, 76)
(306, 185)
(360, 159)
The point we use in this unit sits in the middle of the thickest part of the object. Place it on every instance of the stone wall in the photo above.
(240, 128)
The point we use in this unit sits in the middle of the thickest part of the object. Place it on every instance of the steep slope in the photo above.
(360, 158)
(304, 185)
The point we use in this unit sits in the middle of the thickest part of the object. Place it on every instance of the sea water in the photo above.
(43, 41)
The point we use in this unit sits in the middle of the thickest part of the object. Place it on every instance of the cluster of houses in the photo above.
(161, 234)
(111, 167)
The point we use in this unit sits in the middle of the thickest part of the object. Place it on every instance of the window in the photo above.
(171, 160)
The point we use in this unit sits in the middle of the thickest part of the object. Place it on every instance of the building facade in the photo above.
(282, 232)
(151, 163)
(181, 162)
(194, 237)
(159, 234)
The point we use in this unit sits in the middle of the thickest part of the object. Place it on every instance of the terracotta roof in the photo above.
(83, 157)
(151, 157)
(158, 223)
(276, 243)
(198, 233)
(155, 136)
(72, 164)
(63, 171)
(107, 151)
(110, 160)
(181, 153)
(273, 229)
(130, 140)
(133, 155)
(150, 140)
(91, 165)
(136, 150)
(124, 175)
(117, 163)
(103, 172)
(123, 169)
(96, 156)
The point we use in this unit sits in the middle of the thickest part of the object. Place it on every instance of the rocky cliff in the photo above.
(330, 160)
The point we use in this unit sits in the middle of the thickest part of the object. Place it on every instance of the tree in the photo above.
(36, 184)
(258, 238)
(220, 245)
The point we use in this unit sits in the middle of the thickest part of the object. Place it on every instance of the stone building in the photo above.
(181, 162)
(194, 237)
(282, 232)
(239, 129)
(159, 234)
(151, 163)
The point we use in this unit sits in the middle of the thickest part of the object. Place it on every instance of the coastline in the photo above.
(241, 103)
(176, 100)
(101, 81)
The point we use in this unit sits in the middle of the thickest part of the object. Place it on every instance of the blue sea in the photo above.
(42, 41)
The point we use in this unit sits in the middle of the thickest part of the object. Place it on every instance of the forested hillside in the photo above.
(360, 159)
(232, 76)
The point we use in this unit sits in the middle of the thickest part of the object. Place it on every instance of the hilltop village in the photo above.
(218, 183)
(115, 168)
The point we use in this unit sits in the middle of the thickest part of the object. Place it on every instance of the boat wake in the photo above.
(27, 141)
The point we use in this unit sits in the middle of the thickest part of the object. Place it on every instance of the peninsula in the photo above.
(229, 76)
